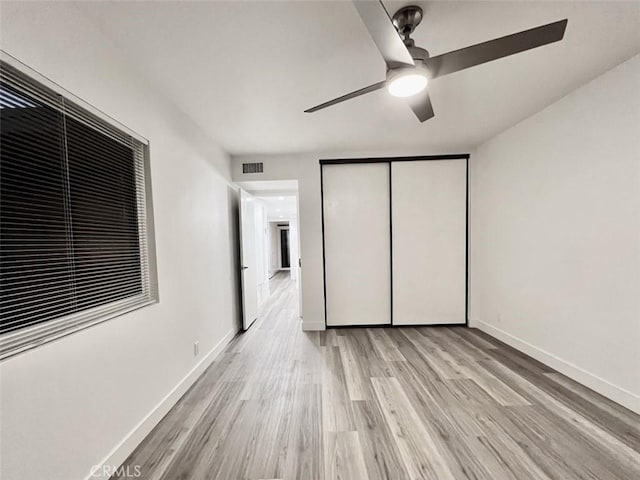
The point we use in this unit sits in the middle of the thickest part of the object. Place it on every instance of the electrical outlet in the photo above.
(196, 349)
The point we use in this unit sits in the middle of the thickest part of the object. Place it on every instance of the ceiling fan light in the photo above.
(407, 85)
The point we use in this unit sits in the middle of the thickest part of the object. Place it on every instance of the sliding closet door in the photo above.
(429, 242)
(356, 244)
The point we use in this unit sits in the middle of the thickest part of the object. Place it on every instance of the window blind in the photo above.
(74, 216)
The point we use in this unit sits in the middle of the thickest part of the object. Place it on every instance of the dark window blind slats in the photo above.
(117, 174)
(40, 128)
(72, 212)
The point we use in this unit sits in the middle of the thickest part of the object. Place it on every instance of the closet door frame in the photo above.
(389, 161)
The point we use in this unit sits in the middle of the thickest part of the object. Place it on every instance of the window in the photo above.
(75, 214)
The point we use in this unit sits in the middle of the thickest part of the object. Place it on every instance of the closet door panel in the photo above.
(357, 244)
(429, 242)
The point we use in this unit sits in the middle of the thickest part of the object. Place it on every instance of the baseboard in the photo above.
(312, 326)
(603, 387)
(120, 453)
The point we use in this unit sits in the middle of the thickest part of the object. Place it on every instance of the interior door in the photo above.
(429, 208)
(357, 243)
(295, 260)
(248, 260)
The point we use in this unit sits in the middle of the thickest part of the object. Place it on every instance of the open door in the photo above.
(295, 260)
(248, 260)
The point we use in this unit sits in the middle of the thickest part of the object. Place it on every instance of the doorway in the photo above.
(285, 261)
(270, 246)
(280, 255)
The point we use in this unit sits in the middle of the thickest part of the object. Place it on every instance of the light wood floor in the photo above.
(403, 403)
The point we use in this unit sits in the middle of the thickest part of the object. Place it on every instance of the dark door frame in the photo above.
(389, 161)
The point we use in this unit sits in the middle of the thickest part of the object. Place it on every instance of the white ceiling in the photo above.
(245, 71)
(278, 196)
(280, 208)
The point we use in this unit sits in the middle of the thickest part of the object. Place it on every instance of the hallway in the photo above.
(381, 403)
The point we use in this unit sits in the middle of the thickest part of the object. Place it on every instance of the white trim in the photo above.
(618, 394)
(47, 82)
(127, 445)
(312, 326)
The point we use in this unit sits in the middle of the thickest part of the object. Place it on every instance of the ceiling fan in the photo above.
(409, 68)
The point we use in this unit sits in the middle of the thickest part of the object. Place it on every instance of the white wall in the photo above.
(306, 170)
(68, 405)
(555, 235)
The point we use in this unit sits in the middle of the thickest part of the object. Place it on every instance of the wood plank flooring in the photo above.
(441, 403)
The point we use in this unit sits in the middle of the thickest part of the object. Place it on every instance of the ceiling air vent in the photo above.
(252, 168)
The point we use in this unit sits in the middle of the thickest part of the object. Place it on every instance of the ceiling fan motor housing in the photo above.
(420, 57)
(420, 68)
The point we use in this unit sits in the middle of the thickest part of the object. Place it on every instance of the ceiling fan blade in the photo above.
(421, 105)
(376, 18)
(494, 49)
(348, 96)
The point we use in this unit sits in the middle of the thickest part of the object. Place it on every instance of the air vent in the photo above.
(252, 168)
